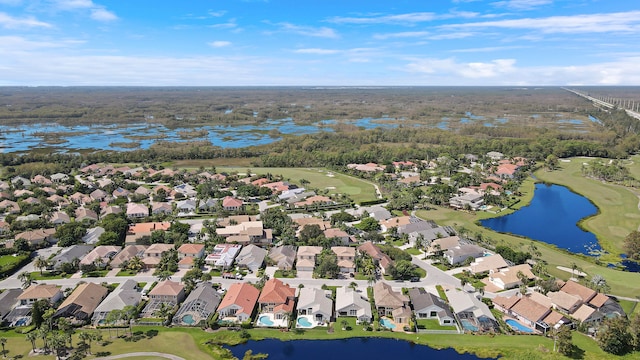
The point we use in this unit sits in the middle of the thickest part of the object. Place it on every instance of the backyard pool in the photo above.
(265, 321)
(517, 326)
(467, 325)
(304, 322)
(188, 319)
(387, 323)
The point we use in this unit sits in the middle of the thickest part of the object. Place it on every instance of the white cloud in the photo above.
(488, 49)
(592, 23)
(408, 18)
(230, 24)
(219, 43)
(100, 14)
(21, 44)
(75, 4)
(323, 32)
(522, 4)
(317, 51)
(9, 22)
(399, 35)
(218, 13)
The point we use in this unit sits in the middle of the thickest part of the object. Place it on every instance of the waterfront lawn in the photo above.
(432, 324)
(618, 205)
(357, 189)
(618, 280)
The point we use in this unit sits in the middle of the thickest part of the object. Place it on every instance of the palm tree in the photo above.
(26, 279)
(58, 343)
(353, 285)
(40, 263)
(64, 325)
(86, 338)
(574, 266)
(129, 313)
(135, 264)
(164, 275)
(113, 318)
(43, 333)
(32, 336)
(164, 312)
(3, 341)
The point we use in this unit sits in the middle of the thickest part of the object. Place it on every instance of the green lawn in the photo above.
(289, 274)
(432, 324)
(618, 280)
(413, 251)
(97, 273)
(9, 260)
(48, 275)
(359, 190)
(126, 273)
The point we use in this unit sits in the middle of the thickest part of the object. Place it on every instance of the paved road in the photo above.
(434, 277)
(143, 354)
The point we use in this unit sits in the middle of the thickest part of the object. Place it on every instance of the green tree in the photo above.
(26, 279)
(632, 245)
(368, 224)
(564, 341)
(70, 234)
(327, 267)
(551, 162)
(3, 342)
(310, 233)
(40, 263)
(32, 337)
(403, 270)
(614, 336)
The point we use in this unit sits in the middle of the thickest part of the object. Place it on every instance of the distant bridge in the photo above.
(631, 107)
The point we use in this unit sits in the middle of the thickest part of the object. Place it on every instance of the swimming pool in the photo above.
(304, 322)
(518, 327)
(467, 325)
(188, 319)
(265, 321)
(388, 324)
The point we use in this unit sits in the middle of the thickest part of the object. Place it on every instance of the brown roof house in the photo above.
(386, 300)
(307, 257)
(82, 302)
(34, 293)
(238, 303)
(346, 258)
(230, 203)
(166, 292)
(276, 299)
(381, 259)
(187, 253)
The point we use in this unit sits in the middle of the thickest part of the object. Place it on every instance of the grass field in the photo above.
(359, 190)
(618, 280)
(619, 213)
(48, 275)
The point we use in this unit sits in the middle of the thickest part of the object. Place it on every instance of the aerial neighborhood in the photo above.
(104, 245)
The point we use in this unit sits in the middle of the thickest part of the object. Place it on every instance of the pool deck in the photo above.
(398, 328)
(310, 319)
(276, 322)
(533, 331)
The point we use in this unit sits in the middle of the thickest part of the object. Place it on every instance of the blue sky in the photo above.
(311, 42)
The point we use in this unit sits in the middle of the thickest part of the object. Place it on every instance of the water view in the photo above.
(552, 217)
(347, 349)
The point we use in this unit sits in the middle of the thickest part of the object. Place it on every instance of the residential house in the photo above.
(93, 235)
(80, 198)
(248, 232)
(471, 201)
(19, 180)
(59, 178)
(139, 231)
(402, 316)
(306, 258)
(354, 304)
(198, 306)
(186, 190)
(100, 256)
(507, 278)
(223, 255)
(41, 180)
(188, 252)
(315, 304)
(315, 200)
(251, 257)
(341, 237)
(59, 218)
(484, 264)
(186, 206)
(283, 256)
(368, 167)
(585, 314)
(564, 302)
(142, 191)
(128, 253)
(428, 306)
(69, 255)
(33, 293)
(110, 209)
(98, 195)
(382, 260)
(8, 301)
(166, 292)
(529, 312)
(238, 303)
(121, 193)
(83, 214)
(230, 203)
(153, 254)
(82, 302)
(9, 206)
(346, 258)
(475, 313)
(126, 294)
(386, 300)
(277, 298)
(439, 246)
(161, 208)
(461, 253)
(495, 156)
(37, 237)
(137, 210)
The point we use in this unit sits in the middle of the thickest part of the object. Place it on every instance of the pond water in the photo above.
(62, 138)
(347, 349)
(552, 217)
